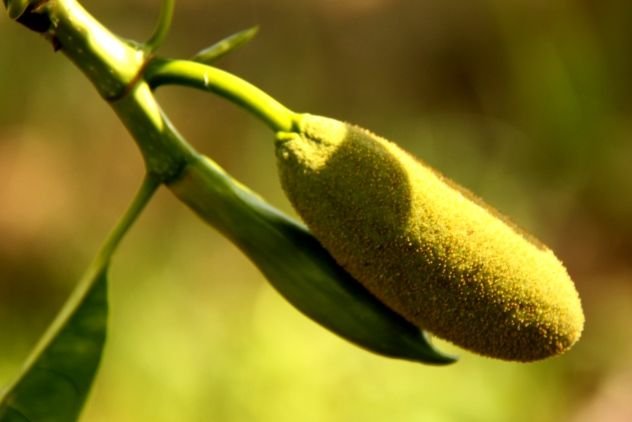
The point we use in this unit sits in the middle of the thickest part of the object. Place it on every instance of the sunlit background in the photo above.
(527, 103)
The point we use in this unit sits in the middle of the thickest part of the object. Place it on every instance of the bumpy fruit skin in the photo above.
(427, 248)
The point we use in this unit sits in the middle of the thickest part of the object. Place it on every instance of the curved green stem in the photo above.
(16, 8)
(184, 72)
(162, 27)
(103, 257)
(144, 194)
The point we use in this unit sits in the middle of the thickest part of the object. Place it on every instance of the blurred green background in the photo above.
(527, 103)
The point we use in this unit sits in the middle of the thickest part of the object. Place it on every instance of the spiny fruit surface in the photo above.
(427, 248)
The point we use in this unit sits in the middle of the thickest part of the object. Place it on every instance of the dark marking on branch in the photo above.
(35, 17)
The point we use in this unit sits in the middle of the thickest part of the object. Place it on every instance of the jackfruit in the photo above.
(427, 248)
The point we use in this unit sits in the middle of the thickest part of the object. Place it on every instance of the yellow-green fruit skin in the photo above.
(427, 248)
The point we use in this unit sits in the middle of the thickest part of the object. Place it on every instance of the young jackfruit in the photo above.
(427, 248)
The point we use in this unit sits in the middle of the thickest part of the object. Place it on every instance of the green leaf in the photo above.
(225, 46)
(299, 267)
(58, 376)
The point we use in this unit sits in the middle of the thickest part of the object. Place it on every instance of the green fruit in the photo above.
(427, 248)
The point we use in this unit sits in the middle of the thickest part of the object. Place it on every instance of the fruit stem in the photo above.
(207, 78)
